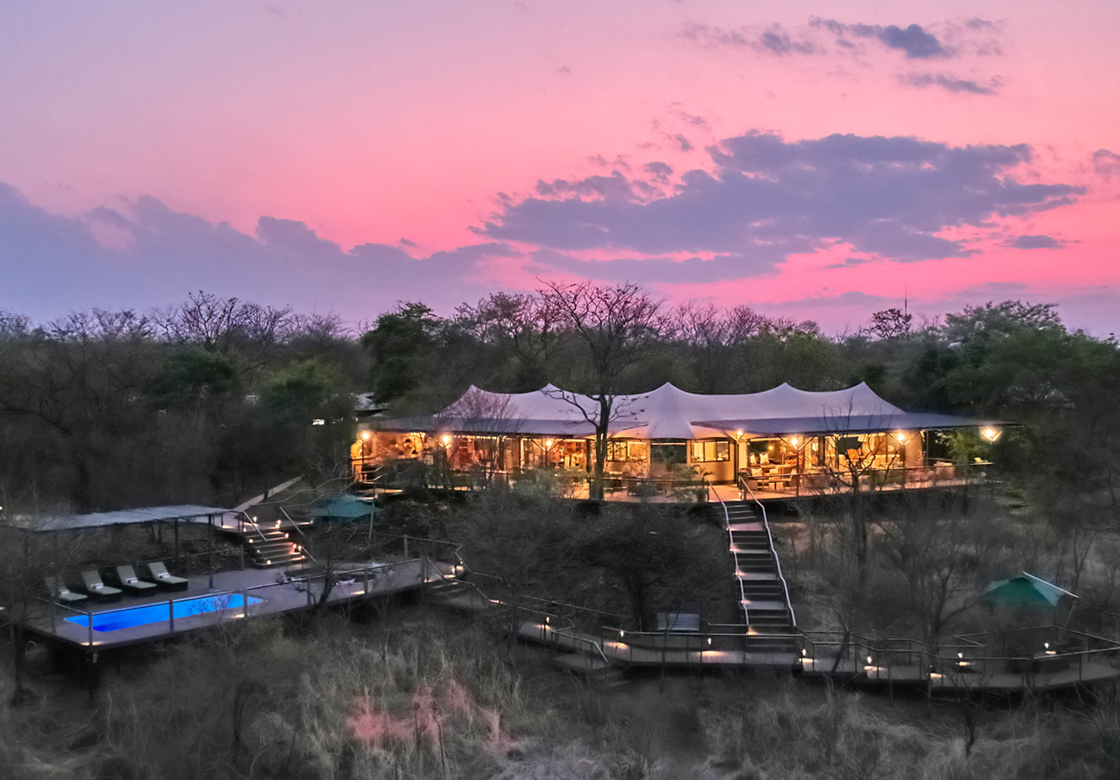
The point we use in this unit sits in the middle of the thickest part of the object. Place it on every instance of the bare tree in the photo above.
(715, 339)
(615, 327)
(527, 327)
(489, 417)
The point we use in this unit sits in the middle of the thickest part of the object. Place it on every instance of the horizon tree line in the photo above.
(218, 398)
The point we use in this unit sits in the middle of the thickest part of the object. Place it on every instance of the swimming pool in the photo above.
(158, 613)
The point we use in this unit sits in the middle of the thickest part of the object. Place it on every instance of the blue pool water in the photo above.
(158, 613)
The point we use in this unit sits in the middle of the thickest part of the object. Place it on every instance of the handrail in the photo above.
(777, 560)
(568, 632)
(293, 522)
(256, 527)
(734, 555)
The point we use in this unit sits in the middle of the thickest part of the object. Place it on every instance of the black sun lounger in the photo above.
(62, 594)
(165, 579)
(97, 589)
(133, 585)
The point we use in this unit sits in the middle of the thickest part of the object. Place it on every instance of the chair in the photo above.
(97, 589)
(62, 594)
(133, 585)
(159, 574)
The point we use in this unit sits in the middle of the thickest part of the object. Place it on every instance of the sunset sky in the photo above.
(816, 160)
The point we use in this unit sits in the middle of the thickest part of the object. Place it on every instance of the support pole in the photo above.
(210, 550)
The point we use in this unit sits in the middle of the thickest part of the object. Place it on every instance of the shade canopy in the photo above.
(671, 413)
(1026, 590)
(345, 507)
(150, 514)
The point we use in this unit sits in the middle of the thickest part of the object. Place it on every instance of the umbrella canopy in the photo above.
(1026, 590)
(344, 507)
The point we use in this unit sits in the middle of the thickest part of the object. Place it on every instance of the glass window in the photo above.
(711, 451)
(668, 453)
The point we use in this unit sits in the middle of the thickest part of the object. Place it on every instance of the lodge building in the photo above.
(781, 441)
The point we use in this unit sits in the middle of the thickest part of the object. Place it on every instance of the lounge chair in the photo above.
(62, 594)
(97, 589)
(133, 585)
(159, 574)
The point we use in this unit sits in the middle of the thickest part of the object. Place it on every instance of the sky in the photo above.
(813, 160)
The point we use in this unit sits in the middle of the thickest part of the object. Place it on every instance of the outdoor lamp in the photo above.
(446, 440)
(365, 435)
(991, 434)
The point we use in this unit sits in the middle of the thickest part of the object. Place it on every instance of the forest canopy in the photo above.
(215, 399)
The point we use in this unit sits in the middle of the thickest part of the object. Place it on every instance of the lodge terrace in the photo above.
(669, 444)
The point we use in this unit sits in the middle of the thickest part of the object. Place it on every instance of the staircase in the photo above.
(764, 598)
(269, 545)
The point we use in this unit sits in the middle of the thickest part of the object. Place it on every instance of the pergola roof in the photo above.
(149, 514)
(671, 413)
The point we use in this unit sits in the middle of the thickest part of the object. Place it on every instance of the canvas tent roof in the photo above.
(671, 413)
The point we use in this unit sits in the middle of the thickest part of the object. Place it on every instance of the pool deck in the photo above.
(279, 594)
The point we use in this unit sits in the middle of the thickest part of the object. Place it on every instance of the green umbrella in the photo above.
(344, 507)
(1026, 590)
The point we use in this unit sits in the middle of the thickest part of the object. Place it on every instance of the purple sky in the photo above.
(813, 160)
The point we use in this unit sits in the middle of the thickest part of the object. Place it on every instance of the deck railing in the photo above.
(773, 552)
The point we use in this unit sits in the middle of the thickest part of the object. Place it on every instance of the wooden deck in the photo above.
(278, 592)
(689, 651)
(987, 677)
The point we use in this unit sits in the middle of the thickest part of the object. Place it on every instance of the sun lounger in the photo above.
(133, 585)
(159, 574)
(62, 594)
(97, 589)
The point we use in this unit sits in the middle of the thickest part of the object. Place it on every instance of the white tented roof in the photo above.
(665, 413)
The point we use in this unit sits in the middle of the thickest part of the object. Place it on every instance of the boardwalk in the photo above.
(277, 593)
(592, 653)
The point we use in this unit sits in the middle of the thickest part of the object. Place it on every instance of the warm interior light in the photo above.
(445, 439)
(793, 441)
(365, 435)
(548, 444)
(991, 434)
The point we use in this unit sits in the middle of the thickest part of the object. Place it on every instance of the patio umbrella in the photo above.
(345, 508)
(1026, 590)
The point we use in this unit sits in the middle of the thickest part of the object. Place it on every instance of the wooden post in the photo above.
(176, 538)
(210, 548)
(171, 614)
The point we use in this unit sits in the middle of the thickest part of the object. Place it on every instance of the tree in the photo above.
(613, 328)
(715, 341)
(890, 324)
(525, 330)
